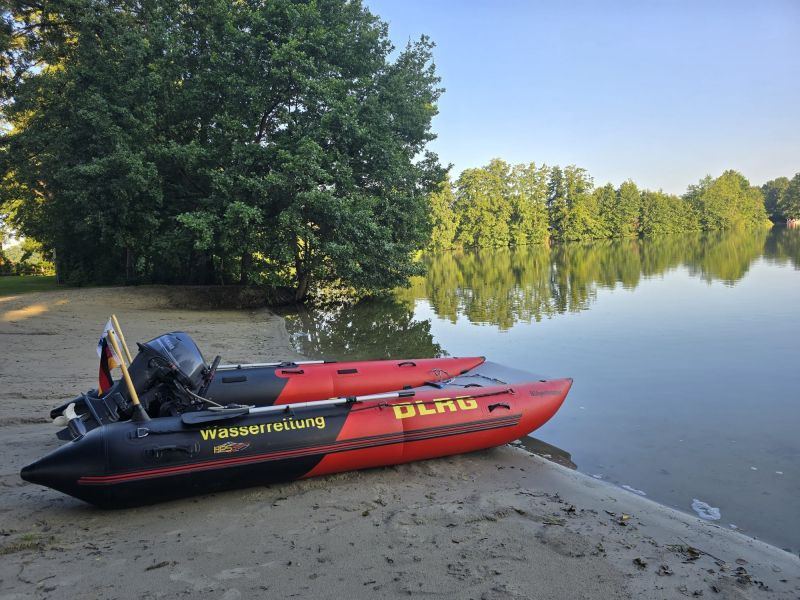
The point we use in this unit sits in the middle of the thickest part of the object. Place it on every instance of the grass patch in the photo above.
(11, 285)
(27, 541)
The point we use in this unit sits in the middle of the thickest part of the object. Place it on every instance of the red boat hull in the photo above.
(267, 385)
(434, 430)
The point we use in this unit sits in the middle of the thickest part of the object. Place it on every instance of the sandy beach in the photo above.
(501, 523)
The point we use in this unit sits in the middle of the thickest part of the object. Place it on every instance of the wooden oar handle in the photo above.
(125, 374)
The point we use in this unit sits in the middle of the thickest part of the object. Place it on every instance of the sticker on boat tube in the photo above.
(229, 447)
(222, 433)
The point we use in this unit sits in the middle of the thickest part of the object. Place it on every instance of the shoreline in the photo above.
(499, 523)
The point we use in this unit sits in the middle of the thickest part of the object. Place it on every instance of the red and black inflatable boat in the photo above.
(189, 442)
(129, 463)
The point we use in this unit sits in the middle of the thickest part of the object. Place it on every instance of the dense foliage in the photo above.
(500, 205)
(217, 142)
(782, 198)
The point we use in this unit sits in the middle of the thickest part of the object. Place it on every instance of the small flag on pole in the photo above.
(108, 360)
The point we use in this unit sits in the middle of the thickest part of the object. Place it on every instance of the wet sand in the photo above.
(500, 523)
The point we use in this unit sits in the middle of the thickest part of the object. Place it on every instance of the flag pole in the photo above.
(118, 331)
(139, 413)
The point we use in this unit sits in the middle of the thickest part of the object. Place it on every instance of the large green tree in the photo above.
(789, 203)
(727, 201)
(773, 190)
(662, 213)
(557, 203)
(528, 221)
(619, 209)
(483, 201)
(444, 219)
(218, 142)
(605, 198)
(626, 213)
(579, 217)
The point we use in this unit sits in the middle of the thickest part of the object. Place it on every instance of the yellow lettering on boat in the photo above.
(435, 406)
(441, 404)
(423, 410)
(403, 411)
(221, 433)
(466, 403)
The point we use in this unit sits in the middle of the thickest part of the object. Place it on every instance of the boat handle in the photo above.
(499, 405)
(407, 363)
(292, 372)
(159, 451)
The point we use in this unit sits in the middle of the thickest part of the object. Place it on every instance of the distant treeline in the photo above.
(501, 205)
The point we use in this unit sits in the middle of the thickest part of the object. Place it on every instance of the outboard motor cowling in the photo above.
(179, 349)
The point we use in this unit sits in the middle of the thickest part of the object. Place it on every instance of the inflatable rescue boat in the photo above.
(176, 438)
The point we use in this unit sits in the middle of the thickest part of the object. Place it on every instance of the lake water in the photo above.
(684, 351)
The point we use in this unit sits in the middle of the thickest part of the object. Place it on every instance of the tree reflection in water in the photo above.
(508, 285)
(372, 328)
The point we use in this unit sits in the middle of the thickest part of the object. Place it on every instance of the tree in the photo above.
(727, 201)
(528, 194)
(662, 213)
(789, 203)
(580, 219)
(605, 198)
(626, 210)
(212, 142)
(444, 221)
(557, 207)
(773, 190)
(619, 209)
(483, 201)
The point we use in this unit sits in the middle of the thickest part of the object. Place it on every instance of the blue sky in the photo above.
(660, 92)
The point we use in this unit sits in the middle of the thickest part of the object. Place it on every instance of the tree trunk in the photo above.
(303, 281)
(128, 264)
(302, 270)
(57, 266)
(244, 275)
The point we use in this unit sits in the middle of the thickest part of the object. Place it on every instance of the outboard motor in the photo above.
(180, 354)
(169, 374)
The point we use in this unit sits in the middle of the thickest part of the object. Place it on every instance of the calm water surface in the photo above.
(684, 352)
